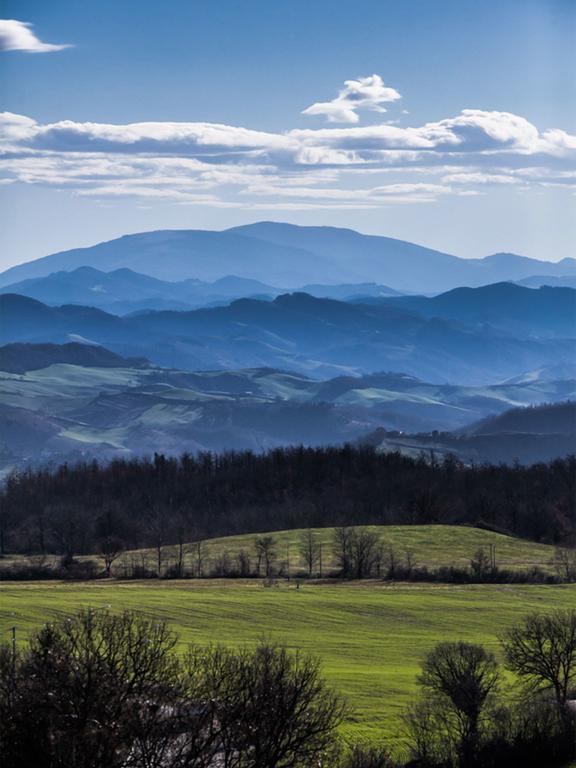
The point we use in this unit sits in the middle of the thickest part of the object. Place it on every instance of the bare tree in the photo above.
(342, 549)
(360, 756)
(409, 559)
(309, 549)
(392, 562)
(81, 696)
(67, 528)
(200, 551)
(564, 562)
(158, 530)
(357, 552)
(182, 535)
(364, 552)
(482, 564)
(7, 522)
(243, 563)
(110, 547)
(542, 651)
(271, 708)
(266, 553)
(459, 680)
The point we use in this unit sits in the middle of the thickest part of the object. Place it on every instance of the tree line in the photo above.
(150, 503)
(102, 689)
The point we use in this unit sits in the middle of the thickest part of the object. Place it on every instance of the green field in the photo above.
(429, 545)
(370, 636)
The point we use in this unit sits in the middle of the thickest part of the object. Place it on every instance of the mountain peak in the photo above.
(287, 255)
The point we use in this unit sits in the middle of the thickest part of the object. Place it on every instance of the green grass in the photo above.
(429, 545)
(370, 636)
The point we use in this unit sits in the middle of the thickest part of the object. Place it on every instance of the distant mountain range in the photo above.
(289, 256)
(537, 281)
(469, 344)
(64, 403)
(124, 291)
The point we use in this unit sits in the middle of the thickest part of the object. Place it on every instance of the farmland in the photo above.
(370, 636)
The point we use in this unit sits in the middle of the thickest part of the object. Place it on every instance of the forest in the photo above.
(77, 509)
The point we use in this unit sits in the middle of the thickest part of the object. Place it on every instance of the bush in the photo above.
(99, 690)
(361, 756)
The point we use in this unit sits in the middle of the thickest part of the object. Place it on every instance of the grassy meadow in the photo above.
(370, 636)
(429, 545)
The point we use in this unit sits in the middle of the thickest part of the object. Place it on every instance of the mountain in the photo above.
(512, 309)
(320, 337)
(69, 409)
(183, 254)
(123, 291)
(286, 256)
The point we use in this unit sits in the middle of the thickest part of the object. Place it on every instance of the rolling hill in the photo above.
(88, 402)
(19, 358)
(527, 435)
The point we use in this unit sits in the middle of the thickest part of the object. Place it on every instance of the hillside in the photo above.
(550, 419)
(122, 408)
(524, 435)
(19, 358)
(430, 546)
(287, 256)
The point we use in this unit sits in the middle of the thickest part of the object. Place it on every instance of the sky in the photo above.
(448, 124)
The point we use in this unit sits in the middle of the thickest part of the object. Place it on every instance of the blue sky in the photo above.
(406, 163)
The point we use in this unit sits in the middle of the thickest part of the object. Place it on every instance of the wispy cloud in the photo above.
(18, 36)
(230, 166)
(366, 93)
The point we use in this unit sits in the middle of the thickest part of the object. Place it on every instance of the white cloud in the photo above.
(480, 178)
(18, 36)
(366, 93)
(225, 165)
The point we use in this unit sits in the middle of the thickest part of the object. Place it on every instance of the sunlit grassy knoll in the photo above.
(429, 545)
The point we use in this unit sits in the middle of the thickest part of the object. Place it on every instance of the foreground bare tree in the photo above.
(72, 700)
(542, 651)
(366, 757)
(98, 690)
(271, 709)
(459, 681)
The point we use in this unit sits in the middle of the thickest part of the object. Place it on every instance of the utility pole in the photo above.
(320, 558)
(288, 560)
